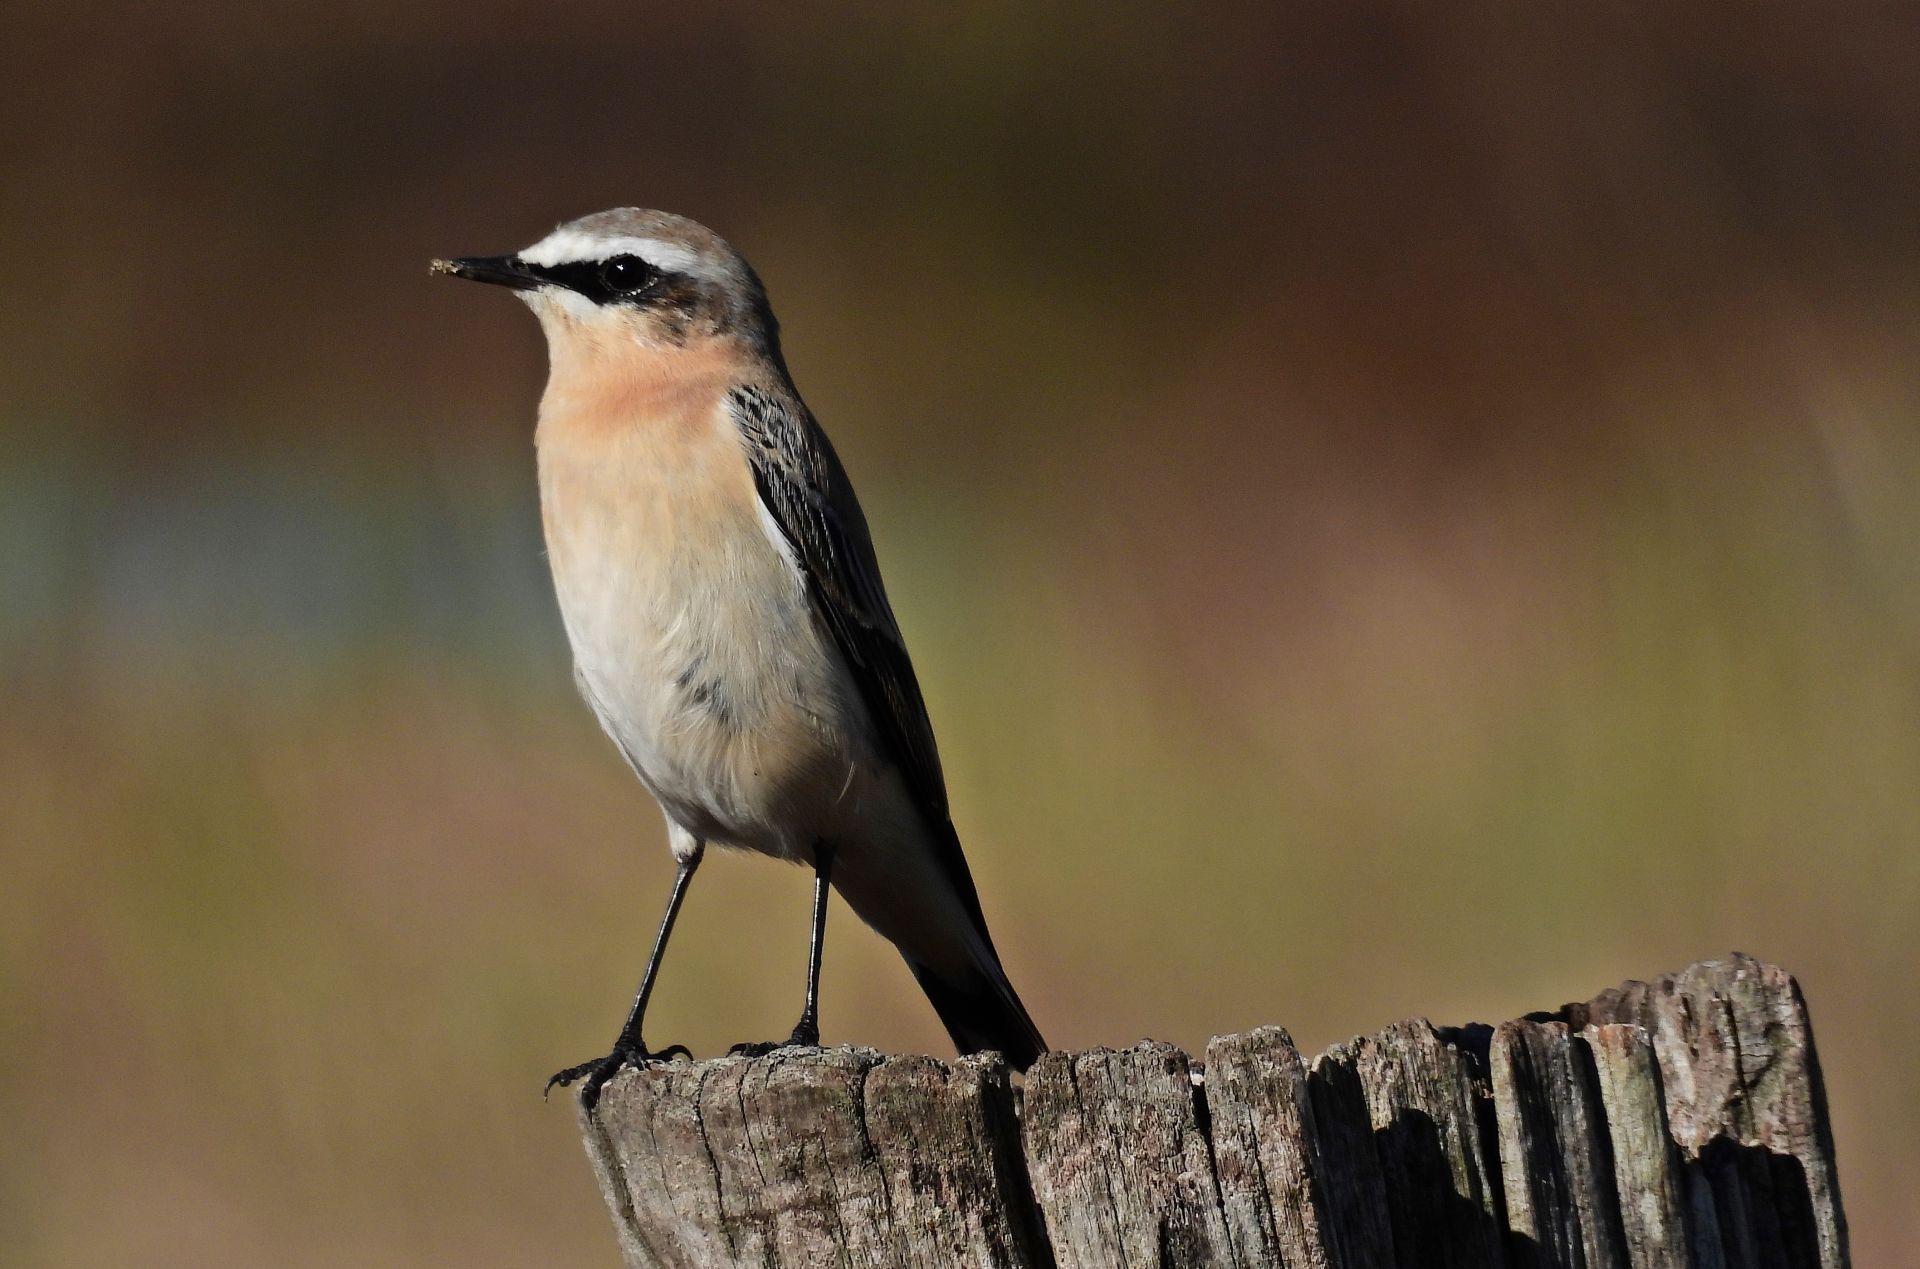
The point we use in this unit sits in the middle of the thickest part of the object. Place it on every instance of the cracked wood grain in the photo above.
(1117, 1148)
(1360, 1231)
(1677, 1124)
(1646, 1163)
(815, 1158)
(1266, 1153)
(1440, 1173)
(1555, 1158)
(1747, 1107)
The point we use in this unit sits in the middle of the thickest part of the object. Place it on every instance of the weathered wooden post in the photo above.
(1665, 1125)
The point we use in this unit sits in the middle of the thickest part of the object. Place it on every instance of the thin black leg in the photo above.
(808, 1031)
(630, 1033)
(629, 1048)
(806, 1034)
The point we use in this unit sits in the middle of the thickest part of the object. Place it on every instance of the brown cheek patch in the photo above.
(677, 313)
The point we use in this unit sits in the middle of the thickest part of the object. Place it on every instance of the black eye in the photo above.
(625, 274)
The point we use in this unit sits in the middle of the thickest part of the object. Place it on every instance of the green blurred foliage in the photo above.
(1397, 511)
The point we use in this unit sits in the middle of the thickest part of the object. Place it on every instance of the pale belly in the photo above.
(695, 644)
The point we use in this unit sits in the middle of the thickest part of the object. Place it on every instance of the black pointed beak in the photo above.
(509, 271)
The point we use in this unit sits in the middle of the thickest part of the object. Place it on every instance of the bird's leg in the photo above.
(629, 1048)
(806, 1033)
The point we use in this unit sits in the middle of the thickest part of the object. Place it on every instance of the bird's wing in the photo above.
(808, 496)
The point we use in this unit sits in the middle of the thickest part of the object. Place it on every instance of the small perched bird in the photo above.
(728, 623)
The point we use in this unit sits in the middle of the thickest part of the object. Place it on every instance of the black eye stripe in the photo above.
(624, 277)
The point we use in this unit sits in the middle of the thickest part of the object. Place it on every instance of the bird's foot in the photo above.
(805, 1036)
(597, 1072)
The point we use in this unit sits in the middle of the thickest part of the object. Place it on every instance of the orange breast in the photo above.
(690, 629)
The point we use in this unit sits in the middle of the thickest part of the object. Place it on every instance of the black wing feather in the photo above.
(810, 498)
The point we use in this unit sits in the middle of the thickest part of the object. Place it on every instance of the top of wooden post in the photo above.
(1660, 1125)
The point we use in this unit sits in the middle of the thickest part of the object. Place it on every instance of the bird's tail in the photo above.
(981, 1011)
(943, 937)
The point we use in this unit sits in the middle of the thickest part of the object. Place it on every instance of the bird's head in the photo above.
(628, 276)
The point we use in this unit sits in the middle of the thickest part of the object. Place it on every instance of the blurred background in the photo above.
(1397, 509)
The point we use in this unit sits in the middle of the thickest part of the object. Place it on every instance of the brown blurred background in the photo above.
(1398, 509)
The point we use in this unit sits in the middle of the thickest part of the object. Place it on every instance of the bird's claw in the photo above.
(805, 1036)
(600, 1070)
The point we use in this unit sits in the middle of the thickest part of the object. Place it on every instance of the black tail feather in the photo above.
(981, 1011)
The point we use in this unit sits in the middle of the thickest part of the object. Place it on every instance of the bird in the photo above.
(724, 607)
